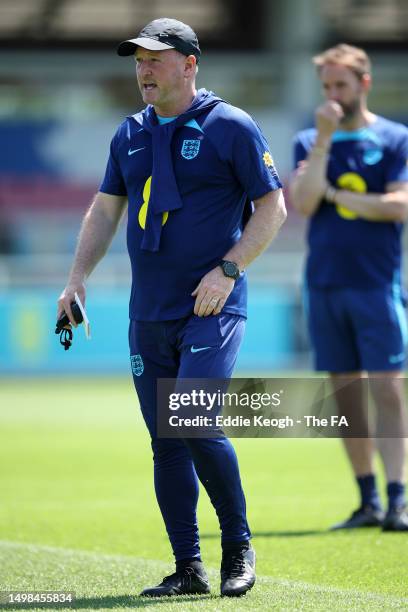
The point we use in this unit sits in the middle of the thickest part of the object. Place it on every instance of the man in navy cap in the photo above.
(186, 166)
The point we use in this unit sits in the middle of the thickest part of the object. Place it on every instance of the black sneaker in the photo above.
(237, 571)
(366, 516)
(396, 519)
(185, 582)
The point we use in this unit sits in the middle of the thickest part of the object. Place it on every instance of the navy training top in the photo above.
(220, 159)
(345, 250)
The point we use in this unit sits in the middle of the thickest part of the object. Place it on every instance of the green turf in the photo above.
(78, 512)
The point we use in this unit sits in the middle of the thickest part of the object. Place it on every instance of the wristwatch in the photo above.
(230, 269)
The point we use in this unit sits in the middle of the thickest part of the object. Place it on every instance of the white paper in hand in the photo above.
(87, 326)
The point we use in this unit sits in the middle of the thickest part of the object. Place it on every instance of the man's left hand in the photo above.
(212, 292)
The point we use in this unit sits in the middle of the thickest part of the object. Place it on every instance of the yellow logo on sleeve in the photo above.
(352, 182)
(143, 209)
(267, 158)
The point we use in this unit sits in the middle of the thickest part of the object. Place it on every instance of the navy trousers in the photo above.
(193, 347)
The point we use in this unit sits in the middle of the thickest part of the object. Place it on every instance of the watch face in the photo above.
(230, 269)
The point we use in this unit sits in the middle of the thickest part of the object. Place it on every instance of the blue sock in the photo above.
(396, 494)
(368, 491)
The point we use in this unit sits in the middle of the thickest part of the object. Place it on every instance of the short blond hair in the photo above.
(352, 57)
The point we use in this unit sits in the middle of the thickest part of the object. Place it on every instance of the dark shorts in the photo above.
(355, 330)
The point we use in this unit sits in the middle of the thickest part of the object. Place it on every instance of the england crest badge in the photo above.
(190, 149)
(136, 362)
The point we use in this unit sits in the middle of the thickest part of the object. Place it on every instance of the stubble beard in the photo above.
(351, 111)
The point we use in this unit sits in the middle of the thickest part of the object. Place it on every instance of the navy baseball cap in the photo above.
(162, 34)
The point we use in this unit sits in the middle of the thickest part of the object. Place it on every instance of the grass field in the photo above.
(78, 512)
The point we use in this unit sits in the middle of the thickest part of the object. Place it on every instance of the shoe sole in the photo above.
(157, 596)
(239, 593)
(377, 523)
(355, 527)
(390, 528)
(175, 594)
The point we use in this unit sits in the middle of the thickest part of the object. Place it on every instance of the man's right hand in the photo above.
(68, 296)
(328, 117)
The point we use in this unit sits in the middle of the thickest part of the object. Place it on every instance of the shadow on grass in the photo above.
(112, 601)
(273, 534)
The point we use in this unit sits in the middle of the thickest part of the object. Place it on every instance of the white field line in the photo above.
(365, 596)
